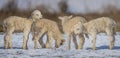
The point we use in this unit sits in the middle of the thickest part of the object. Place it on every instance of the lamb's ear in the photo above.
(70, 16)
(60, 18)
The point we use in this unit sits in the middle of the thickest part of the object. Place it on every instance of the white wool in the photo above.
(47, 26)
(93, 27)
(15, 23)
(69, 25)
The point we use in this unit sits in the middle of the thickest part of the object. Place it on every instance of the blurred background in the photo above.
(51, 9)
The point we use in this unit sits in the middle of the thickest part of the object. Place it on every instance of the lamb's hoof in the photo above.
(68, 48)
(79, 48)
(25, 48)
(10, 47)
(56, 46)
(93, 48)
(35, 47)
(5, 48)
(43, 46)
(62, 42)
(110, 48)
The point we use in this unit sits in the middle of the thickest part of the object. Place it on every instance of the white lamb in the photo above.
(93, 27)
(15, 23)
(68, 24)
(46, 26)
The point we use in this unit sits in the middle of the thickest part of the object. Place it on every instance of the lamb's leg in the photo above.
(75, 41)
(50, 39)
(36, 42)
(69, 41)
(35, 38)
(6, 41)
(47, 42)
(82, 40)
(93, 41)
(38, 38)
(25, 39)
(8, 37)
(111, 38)
(41, 41)
(33, 33)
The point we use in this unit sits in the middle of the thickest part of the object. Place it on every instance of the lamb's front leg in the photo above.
(6, 41)
(94, 41)
(112, 40)
(38, 38)
(82, 40)
(75, 41)
(111, 37)
(41, 41)
(50, 39)
(36, 42)
(25, 39)
(47, 42)
(69, 41)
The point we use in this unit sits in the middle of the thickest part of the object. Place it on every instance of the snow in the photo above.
(102, 51)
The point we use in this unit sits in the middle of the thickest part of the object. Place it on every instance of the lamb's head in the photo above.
(78, 28)
(59, 43)
(64, 18)
(36, 15)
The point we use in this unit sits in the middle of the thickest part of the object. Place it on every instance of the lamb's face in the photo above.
(64, 18)
(36, 14)
(78, 29)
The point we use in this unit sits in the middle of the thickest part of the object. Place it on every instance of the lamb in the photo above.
(68, 24)
(93, 27)
(46, 26)
(15, 23)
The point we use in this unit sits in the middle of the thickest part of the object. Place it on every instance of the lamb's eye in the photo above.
(37, 14)
(78, 29)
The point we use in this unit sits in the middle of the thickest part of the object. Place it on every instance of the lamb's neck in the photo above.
(64, 22)
(31, 20)
(85, 27)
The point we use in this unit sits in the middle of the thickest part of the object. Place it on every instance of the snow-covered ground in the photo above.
(101, 52)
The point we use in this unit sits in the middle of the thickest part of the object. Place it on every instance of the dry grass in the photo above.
(11, 10)
(53, 17)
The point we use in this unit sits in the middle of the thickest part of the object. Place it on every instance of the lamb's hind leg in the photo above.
(8, 37)
(49, 40)
(82, 40)
(7, 41)
(75, 41)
